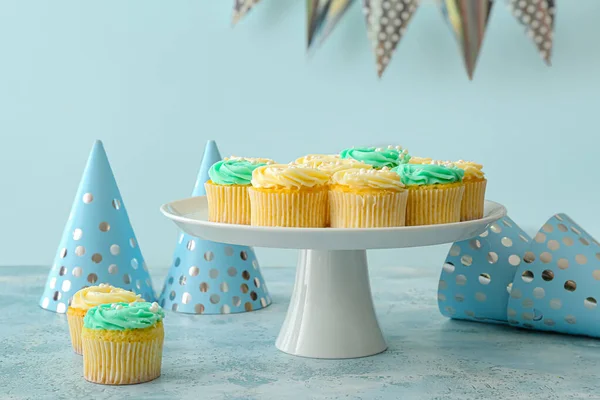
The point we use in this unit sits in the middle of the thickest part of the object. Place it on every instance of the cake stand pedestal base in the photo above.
(331, 312)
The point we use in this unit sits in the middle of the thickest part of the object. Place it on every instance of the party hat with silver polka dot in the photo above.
(557, 287)
(98, 243)
(209, 277)
(477, 271)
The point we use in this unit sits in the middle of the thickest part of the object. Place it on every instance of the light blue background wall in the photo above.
(155, 79)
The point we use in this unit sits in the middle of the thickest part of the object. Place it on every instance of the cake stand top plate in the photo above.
(191, 215)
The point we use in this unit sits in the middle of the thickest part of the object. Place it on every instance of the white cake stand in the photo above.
(331, 312)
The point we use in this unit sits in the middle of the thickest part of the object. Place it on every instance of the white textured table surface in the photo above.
(234, 357)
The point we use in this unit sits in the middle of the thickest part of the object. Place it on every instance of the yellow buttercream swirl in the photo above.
(314, 160)
(340, 165)
(420, 160)
(253, 160)
(287, 176)
(473, 171)
(361, 178)
(93, 296)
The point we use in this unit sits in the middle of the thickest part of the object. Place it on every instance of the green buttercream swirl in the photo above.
(232, 172)
(377, 157)
(428, 174)
(137, 315)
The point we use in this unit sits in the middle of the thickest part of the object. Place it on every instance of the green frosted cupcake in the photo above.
(434, 193)
(378, 157)
(227, 191)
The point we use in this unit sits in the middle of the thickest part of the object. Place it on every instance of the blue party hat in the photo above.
(558, 285)
(475, 276)
(98, 243)
(209, 277)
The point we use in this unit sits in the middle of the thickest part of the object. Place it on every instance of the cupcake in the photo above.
(390, 157)
(434, 193)
(475, 184)
(288, 196)
(89, 297)
(331, 167)
(122, 343)
(227, 190)
(367, 198)
(314, 160)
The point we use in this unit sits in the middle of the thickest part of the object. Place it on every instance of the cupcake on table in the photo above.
(378, 157)
(227, 189)
(435, 193)
(123, 343)
(90, 297)
(288, 196)
(367, 198)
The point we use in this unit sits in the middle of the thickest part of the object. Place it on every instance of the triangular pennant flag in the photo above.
(538, 18)
(98, 243)
(241, 8)
(322, 17)
(209, 277)
(387, 21)
(468, 20)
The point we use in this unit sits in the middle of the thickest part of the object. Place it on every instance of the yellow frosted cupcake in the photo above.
(330, 168)
(227, 190)
(288, 196)
(434, 193)
(367, 198)
(89, 297)
(475, 184)
(123, 343)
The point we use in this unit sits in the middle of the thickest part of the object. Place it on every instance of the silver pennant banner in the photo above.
(538, 18)
(241, 8)
(468, 20)
(387, 21)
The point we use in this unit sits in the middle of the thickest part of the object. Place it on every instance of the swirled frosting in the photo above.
(253, 160)
(340, 165)
(362, 178)
(93, 296)
(428, 174)
(279, 176)
(122, 316)
(420, 160)
(232, 172)
(314, 160)
(473, 171)
(378, 157)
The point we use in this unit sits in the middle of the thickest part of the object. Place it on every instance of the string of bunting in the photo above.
(387, 21)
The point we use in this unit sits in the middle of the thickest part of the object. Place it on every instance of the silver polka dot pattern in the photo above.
(538, 18)
(387, 21)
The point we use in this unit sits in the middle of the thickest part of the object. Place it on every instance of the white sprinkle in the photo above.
(379, 149)
(118, 307)
(154, 307)
(104, 285)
